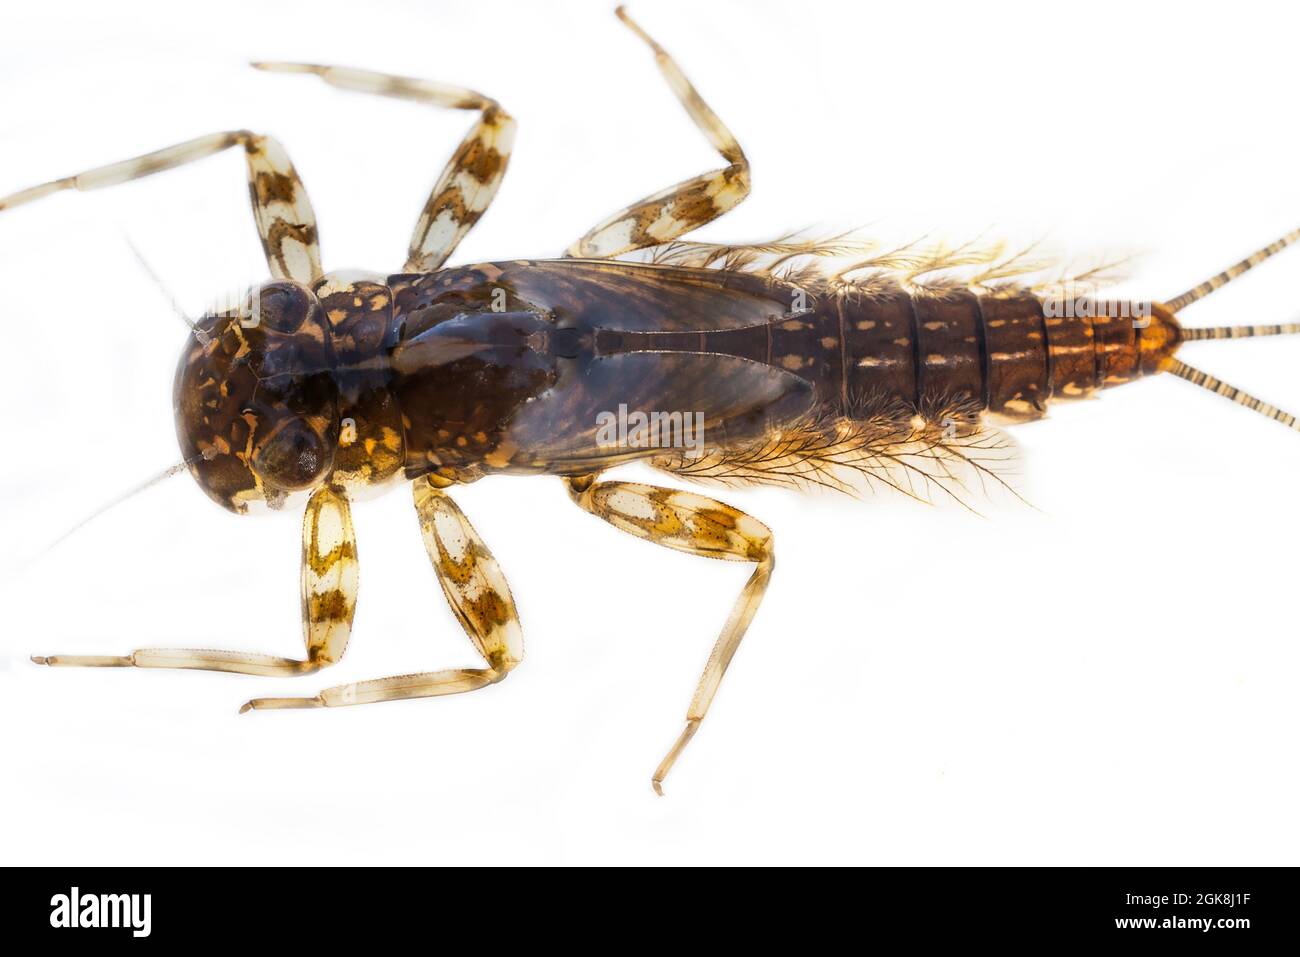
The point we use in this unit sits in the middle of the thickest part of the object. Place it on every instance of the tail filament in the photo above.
(1219, 387)
(1232, 272)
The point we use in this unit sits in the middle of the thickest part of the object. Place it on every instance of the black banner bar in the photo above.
(248, 907)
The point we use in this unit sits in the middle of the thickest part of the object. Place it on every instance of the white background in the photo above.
(1108, 678)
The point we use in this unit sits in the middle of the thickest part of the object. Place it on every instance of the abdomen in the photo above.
(1005, 354)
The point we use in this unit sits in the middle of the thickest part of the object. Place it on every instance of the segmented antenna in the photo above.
(1232, 272)
(128, 494)
(1219, 387)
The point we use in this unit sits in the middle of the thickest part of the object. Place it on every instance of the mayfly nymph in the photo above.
(793, 362)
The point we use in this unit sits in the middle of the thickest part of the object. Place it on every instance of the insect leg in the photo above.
(329, 598)
(281, 209)
(471, 177)
(690, 204)
(701, 526)
(479, 596)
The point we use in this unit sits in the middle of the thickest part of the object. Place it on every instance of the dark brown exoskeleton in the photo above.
(736, 363)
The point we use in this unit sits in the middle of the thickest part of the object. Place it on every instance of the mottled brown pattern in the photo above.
(330, 606)
(464, 190)
(1072, 356)
(1108, 343)
(880, 345)
(462, 369)
(521, 389)
(274, 188)
(1018, 385)
(452, 200)
(328, 384)
(949, 332)
(277, 234)
(669, 213)
(1116, 340)
(485, 163)
(470, 578)
(256, 407)
(1159, 340)
(281, 208)
(372, 437)
(576, 337)
(700, 526)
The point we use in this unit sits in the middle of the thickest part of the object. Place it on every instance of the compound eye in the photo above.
(280, 306)
(293, 457)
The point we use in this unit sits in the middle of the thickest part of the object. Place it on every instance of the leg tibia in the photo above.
(283, 213)
(329, 597)
(430, 684)
(471, 177)
(701, 526)
(234, 662)
(479, 596)
(665, 215)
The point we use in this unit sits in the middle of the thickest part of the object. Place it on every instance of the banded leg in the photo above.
(473, 174)
(281, 209)
(701, 526)
(479, 596)
(672, 212)
(329, 598)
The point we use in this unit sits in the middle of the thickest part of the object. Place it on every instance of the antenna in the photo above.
(198, 333)
(130, 493)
